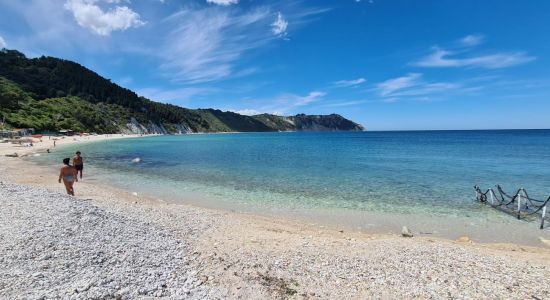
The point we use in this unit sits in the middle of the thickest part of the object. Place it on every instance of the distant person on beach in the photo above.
(68, 174)
(78, 163)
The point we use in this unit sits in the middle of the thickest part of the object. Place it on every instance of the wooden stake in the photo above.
(542, 216)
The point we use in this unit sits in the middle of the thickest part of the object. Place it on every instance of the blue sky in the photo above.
(387, 64)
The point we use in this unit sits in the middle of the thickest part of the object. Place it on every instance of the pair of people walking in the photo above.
(69, 173)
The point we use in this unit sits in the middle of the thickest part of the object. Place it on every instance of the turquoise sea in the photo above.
(408, 173)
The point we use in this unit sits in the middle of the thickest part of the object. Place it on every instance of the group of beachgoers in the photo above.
(69, 173)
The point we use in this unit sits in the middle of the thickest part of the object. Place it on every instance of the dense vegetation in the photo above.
(19, 109)
(50, 94)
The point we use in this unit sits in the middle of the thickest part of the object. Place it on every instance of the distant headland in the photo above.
(52, 94)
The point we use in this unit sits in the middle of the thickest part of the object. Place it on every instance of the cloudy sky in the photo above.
(387, 64)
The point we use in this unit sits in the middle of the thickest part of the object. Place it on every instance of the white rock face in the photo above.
(183, 129)
(156, 128)
(135, 127)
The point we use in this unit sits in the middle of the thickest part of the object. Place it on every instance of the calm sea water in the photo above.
(431, 172)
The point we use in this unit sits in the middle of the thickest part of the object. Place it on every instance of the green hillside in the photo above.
(50, 94)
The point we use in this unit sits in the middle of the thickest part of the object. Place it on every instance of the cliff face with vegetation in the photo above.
(50, 94)
(303, 122)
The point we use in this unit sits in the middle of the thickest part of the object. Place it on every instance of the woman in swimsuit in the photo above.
(68, 174)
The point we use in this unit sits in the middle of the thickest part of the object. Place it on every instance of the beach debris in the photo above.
(406, 232)
(36, 154)
(518, 204)
(136, 160)
(13, 155)
(464, 239)
(135, 194)
(545, 241)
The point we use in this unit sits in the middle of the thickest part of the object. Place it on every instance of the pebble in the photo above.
(92, 252)
(405, 231)
(121, 251)
(463, 239)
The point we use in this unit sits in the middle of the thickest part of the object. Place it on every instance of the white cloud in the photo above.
(88, 14)
(348, 83)
(50, 27)
(248, 112)
(304, 100)
(279, 27)
(427, 89)
(284, 103)
(472, 40)
(346, 103)
(223, 2)
(204, 45)
(412, 85)
(444, 58)
(210, 43)
(3, 43)
(392, 85)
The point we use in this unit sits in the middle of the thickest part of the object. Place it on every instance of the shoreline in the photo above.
(247, 255)
(377, 223)
(47, 142)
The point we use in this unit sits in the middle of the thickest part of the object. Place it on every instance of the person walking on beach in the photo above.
(78, 163)
(68, 174)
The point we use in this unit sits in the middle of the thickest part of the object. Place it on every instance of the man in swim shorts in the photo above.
(78, 163)
(68, 174)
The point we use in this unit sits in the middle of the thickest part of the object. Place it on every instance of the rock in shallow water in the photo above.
(464, 239)
(406, 232)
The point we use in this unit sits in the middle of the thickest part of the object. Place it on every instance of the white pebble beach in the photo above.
(107, 243)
